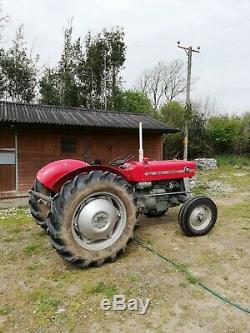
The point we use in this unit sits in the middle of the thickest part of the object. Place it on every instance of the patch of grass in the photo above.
(44, 300)
(32, 267)
(100, 288)
(192, 279)
(240, 161)
(48, 304)
(5, 310)
(234, 211)
(134, 278)
(32, 248)
(180, 267)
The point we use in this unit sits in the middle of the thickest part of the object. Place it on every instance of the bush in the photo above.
(175, 114)
(229, 134)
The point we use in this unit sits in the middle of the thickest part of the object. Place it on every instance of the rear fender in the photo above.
(51, 173)
(55, 174)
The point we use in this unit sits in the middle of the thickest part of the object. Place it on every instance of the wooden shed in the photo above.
(32, 135)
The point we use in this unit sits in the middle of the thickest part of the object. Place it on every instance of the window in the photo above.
(68, 144)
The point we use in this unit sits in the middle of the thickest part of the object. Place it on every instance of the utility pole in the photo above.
(189, 51)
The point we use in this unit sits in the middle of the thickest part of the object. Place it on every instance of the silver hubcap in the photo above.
(200, 217)
(99, 221)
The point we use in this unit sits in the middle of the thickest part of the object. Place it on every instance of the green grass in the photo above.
(5, 310)
(32, 248)
(240, 161)
(109, 290)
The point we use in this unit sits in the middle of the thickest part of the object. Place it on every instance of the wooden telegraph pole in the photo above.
(189, 51)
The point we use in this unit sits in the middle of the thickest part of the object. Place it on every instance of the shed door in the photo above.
(7, 160)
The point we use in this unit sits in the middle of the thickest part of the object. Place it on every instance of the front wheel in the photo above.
(198, 216)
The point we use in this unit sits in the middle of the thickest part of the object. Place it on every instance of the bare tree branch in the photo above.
(163, 82)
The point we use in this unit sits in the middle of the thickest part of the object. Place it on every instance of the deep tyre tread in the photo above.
(63, 206)
(186, 211)
(35, 211)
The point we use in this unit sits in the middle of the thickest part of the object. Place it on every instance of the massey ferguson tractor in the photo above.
(90, 211)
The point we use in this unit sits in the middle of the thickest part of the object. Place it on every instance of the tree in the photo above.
(175, 114)
(228, 134)
(19, 71)
(50, 87)
(221, 132)
(88, 73)
(68, 69)
(104, 59)
(3, 20)
(133, 101)
(164, 82)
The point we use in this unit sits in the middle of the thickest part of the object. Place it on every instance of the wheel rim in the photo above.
(200, 217)
(98, 221)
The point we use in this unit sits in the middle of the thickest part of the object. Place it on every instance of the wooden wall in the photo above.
(39, 146)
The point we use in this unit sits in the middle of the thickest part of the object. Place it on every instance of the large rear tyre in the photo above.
(38, 211)
(92, 219)
(197, 216)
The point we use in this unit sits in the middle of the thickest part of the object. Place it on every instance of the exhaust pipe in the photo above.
(140, 143)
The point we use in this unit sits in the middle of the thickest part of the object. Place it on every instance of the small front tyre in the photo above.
(198, 216)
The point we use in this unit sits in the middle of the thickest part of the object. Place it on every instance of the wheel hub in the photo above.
(100, 220)
(97, 219)
(200, 217)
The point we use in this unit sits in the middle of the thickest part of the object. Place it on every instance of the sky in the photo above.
(221, 28)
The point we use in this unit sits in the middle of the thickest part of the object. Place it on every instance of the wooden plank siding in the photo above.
(40, 145)
(7, 178)
(7, 138)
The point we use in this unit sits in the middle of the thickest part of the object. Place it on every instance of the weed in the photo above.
(100, 288)
(47, 304)
(31, 248)
(134, 278)
(192, 279)
(5, 310)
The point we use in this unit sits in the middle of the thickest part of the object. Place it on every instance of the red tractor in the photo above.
(90, 211)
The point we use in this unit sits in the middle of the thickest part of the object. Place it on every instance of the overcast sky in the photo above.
(221, 28)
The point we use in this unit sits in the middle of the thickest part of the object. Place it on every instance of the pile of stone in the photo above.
(206, 163)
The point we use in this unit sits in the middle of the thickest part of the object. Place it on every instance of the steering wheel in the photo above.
(121, 160)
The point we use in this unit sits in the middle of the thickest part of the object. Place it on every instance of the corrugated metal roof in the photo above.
(21, 113)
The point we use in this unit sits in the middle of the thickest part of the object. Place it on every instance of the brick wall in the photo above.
(39, 146)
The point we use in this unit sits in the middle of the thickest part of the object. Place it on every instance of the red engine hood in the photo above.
(158, 170)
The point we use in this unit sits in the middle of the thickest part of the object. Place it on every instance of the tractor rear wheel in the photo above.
(198, 216)
(38, 211)
(92, 218)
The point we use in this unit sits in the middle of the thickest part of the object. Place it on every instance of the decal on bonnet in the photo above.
(168, 172)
